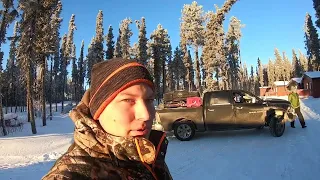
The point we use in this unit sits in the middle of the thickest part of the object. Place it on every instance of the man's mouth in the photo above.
(140, 132)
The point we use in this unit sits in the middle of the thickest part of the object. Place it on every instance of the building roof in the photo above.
(313, 74)
(281, 83)
(298, 80)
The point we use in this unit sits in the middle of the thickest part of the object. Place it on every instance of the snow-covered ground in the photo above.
(241, 155)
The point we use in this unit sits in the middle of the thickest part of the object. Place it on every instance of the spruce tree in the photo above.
(271, 73)
(213, 50)
(125, 36)
(142, 41)
(280, 66)
(233, 50)
(287, 70)
(260, 73)
(117, 48)
(110, 43)
(312, 44)
(192, 31)
(67, 56)
(55, 40)
(12, 71)
(160, 50)
(82, 72)
(316, 6)
(98, 39)
(297, 69)
(90, 61)
(191, 69)
(303, 61)
(8, 15)
(74, 75)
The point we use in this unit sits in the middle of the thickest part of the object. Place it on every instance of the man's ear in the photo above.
(86, 97)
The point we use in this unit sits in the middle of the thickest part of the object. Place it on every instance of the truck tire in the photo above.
(184, 130)
(276, 127)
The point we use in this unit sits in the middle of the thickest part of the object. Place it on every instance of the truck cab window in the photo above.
(219, 98)
(241, 97)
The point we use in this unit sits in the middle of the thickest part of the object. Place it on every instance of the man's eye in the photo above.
(128, 100)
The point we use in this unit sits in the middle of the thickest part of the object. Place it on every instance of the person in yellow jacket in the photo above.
(293, 98)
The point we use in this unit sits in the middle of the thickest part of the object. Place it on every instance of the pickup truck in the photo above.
(225, 110)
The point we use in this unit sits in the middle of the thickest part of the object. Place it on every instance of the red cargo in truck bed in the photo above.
(194, 101)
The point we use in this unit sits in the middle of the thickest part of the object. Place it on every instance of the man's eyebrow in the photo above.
(151, 96)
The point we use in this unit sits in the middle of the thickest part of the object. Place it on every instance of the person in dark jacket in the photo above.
(294, 100)
(113, 137)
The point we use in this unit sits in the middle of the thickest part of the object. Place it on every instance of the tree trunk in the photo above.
(42, 95)
(1, 116)
(64, 82)
(28, 107)
(6, 103)
(163, 76)
(30, 100)
(198, 70)
(50, 90)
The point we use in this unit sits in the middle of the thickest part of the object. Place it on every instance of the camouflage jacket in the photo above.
(98, 155)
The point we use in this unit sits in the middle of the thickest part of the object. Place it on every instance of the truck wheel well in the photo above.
(183, 120)
(271, 114)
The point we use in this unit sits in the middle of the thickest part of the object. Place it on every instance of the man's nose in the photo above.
(142, 111)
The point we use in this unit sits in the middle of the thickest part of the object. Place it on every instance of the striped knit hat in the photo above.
(110, 77)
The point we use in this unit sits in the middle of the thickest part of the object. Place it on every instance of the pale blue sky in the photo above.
(268, 23)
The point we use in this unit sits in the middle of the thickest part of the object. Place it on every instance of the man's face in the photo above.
(131, 113)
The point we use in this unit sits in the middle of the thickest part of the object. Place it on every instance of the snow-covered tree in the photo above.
(287, 68)
(279, 64)
(55, 40)
(233, 50)
(213, 50)
(192, 31)
(297, 69)
(98, 39)
(160, 43)
(125, 36)
(142, 55)
(67, 55)
(271, 73)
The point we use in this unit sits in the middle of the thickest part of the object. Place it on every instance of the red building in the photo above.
(311, 83)
(279, 88)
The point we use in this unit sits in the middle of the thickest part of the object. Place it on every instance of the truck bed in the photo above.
(167, 116)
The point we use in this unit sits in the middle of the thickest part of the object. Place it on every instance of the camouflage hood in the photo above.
(94, 152)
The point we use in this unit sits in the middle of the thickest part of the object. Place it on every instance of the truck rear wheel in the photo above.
(184, 130)
(276, 127)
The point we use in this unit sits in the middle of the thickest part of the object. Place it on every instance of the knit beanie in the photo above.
(110, 77)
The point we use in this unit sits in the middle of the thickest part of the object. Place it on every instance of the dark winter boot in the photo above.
(292, 124)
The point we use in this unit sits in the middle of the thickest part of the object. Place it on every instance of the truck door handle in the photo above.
(211, 110)
(239, 107)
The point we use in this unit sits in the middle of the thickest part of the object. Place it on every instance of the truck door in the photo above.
(219, 113)
(249, 112)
